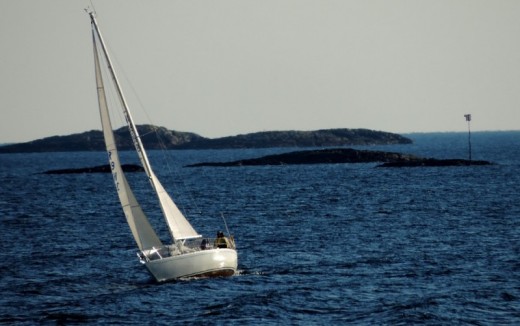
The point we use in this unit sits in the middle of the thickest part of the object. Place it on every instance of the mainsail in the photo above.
(143, 233)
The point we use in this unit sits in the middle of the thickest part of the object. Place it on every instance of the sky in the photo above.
(228, 67)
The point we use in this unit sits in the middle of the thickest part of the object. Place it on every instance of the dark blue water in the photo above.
(318, 244)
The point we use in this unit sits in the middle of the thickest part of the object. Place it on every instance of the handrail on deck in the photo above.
(186, 246)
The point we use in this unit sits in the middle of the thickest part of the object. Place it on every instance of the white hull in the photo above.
(204, 263)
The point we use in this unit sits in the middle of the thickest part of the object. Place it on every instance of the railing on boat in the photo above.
(184, 247)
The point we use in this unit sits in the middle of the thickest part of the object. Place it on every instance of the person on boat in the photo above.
(221, 241)
(204, 244)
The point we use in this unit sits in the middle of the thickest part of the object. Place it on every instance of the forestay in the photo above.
(178, 225)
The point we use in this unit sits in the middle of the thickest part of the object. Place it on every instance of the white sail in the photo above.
(142, 231)
(180, 228)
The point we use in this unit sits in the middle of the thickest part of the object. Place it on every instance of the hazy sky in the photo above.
(221, 68)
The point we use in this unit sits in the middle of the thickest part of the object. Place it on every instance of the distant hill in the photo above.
(161, 138)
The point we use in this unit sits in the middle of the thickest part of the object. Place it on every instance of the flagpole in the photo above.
(468, 119)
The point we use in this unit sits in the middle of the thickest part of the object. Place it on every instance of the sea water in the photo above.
(317, 244)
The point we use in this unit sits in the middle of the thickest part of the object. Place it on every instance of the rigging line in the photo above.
(130, 85)
(225, 224)
(167, 159)
(112, 100)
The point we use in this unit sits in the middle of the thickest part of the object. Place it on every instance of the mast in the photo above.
(128, 116)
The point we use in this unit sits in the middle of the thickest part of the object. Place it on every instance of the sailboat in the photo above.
(189, 254)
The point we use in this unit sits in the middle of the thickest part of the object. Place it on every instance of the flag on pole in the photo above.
(468, 117)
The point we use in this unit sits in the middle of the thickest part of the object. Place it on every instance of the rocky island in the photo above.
(323, 156)
(344, 155)
(432, 162)
(96, 169)
(154, 137)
